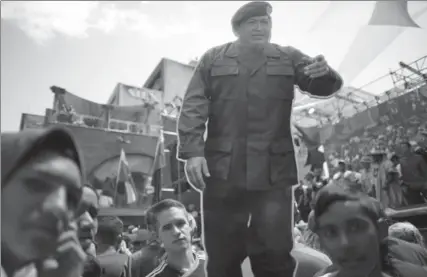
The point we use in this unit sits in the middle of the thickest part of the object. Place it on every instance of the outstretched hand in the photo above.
(317, 66)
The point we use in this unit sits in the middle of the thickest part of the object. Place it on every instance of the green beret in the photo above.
(251, 9)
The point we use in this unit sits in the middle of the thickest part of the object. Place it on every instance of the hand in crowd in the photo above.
(196, 169)
(123, 248)
(68, 260)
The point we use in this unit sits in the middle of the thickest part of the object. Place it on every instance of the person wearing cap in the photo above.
(243, 92)
(380, 165)
(367, 177)
(41, 188)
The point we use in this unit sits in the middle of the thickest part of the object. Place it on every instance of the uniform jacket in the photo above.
(248, 111)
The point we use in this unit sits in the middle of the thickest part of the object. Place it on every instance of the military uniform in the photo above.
(247, 203)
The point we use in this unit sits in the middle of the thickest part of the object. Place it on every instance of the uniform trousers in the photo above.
(254, 224)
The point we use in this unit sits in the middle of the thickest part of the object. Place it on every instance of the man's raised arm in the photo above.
(322, 86)
(194, 113)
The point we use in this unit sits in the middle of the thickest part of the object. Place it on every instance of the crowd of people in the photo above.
(400, 119)
(397, 179)
(246, 171)
(387, 161)
(51, 226)
(50, 221)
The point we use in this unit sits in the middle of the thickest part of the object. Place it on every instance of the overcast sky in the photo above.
(87, 47)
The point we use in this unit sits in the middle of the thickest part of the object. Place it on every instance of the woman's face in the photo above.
(350, 238)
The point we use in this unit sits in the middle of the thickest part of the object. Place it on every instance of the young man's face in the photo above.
(256, 30)
(37, 204)
(174, 229)
(350, 238)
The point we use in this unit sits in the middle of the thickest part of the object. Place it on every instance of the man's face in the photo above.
(255, 30)
(38, 203)
(88, 222)
(341, 167)
(350, 238)
(174, 229)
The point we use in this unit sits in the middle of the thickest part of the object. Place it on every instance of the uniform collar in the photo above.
(270, 50)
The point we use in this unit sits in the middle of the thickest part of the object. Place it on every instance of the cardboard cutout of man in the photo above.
(246, 167)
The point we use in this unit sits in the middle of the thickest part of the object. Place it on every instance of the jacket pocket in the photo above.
(218, 156)
(224, 70)
(224, 81)
(280, 80)
(282, 161)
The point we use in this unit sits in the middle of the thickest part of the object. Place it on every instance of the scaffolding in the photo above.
(350, 101)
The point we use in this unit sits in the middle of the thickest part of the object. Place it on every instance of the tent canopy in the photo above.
(391, 32)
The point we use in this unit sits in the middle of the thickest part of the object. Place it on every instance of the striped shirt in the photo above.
(165, 270)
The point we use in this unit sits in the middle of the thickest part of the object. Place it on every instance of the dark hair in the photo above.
(331, 194)
(110, 229)
(156, 209)
(372, 208)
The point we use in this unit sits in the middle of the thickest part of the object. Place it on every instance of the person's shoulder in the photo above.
(158, 270)
(215, 51)
(146, 257)
(287, 49)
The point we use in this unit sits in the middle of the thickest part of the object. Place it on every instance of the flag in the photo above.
(124, 182)
(159, 158)
(155, 185)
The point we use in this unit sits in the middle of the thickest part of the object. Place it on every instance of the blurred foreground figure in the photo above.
(246, 168)
(353, 231)
(87, 223)
(41, 183)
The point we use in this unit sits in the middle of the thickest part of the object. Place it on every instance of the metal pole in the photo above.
(179, 178)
